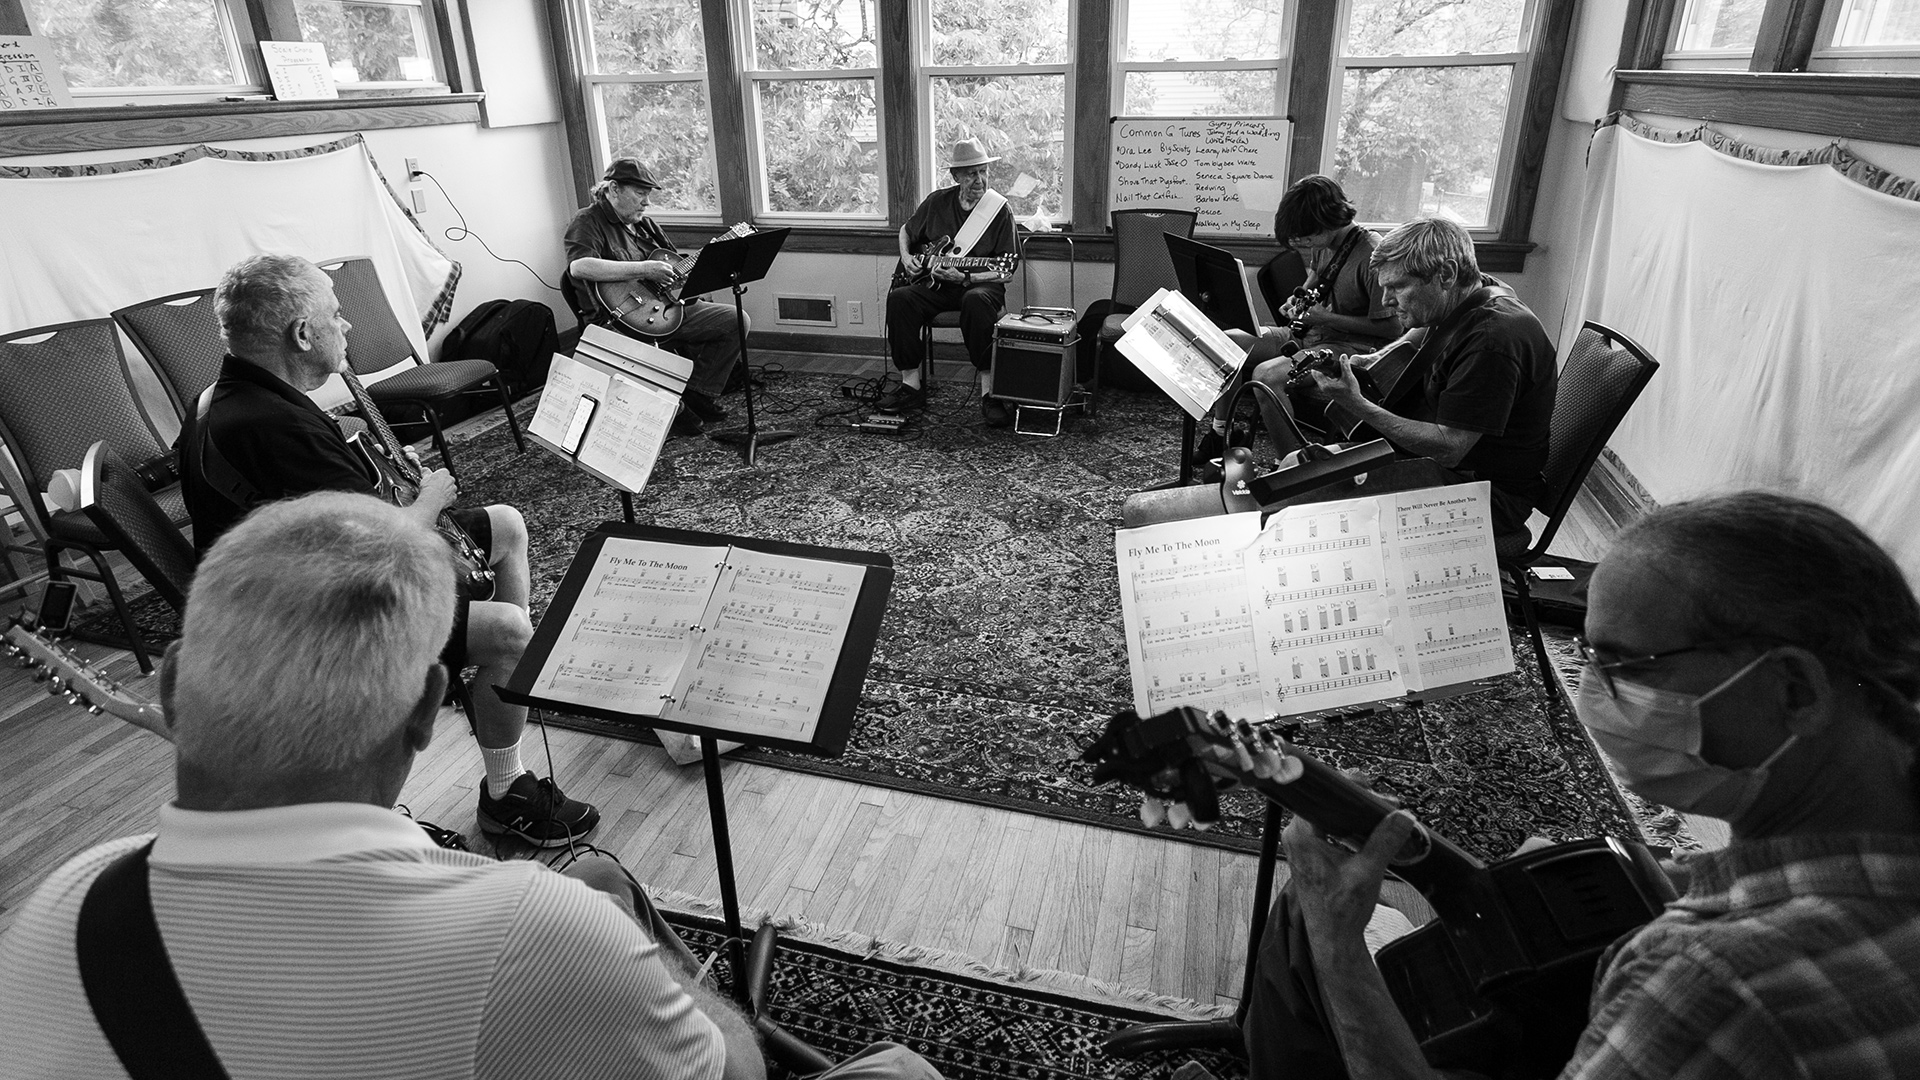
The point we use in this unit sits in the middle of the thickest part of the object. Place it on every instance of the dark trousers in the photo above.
(911, 307)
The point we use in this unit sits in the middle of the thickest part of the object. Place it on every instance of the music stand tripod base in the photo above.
(731, 264)
(751, 441)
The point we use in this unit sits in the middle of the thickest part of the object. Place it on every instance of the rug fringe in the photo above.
(866, 946)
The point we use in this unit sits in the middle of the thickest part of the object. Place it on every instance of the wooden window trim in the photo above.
(120, 127)
(1878, 108)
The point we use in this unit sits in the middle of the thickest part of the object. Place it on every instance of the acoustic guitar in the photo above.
(942, 255)
(649, 309)
(1392, 382)
(1507, 967)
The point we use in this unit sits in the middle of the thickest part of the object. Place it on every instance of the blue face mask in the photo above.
(1652, 739)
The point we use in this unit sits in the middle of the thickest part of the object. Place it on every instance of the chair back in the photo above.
(377, 340)
(64, 388)
(1603, 375)
(180, 337)
(1283, 273)
(1140, 260)
(115, 500)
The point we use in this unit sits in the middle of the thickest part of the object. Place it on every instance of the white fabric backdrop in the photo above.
(76, 247)
(1780, 302)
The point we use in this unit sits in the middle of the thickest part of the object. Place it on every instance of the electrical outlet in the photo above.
(419, 201)
(856, 311)
(413, 167)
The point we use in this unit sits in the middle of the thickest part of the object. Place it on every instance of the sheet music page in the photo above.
(629, 633)
(1183, 598)
(1446, 585)
(628, 431)
(1169, 339)
(1321, 622)
(770, 643)
(567, 380)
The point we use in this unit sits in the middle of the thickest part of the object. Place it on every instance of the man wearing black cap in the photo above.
(612, 239)
(979, 296)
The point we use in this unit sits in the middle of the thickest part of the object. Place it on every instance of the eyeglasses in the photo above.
(1604, 668)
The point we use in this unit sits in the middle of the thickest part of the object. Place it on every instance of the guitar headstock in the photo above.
(69, 677)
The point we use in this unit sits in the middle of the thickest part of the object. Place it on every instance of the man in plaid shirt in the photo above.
(1753, 658)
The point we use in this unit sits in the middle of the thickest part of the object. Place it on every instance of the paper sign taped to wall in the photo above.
(30, 76)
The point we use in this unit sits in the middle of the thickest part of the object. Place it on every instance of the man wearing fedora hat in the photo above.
(613, 239)
(978, 296)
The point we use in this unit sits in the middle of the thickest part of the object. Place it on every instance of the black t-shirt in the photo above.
(940, 215)
(275, 438)
(1494, 373)
(595, 233)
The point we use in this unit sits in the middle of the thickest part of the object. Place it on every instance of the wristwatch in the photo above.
(966, 281)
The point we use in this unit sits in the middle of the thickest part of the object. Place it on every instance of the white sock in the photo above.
(910, 377)
(986, 383)
(503, 768)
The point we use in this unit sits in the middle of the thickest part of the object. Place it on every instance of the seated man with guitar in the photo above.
(1340, 305)
(1750, 657)
(286, 920)
(957, 253)
(255, 437)
(1475, 394)
(632, 274)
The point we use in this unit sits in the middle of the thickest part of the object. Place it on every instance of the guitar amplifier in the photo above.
(1035, 357)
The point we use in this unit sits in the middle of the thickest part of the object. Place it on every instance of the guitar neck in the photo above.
(69, 676)
(389, 442)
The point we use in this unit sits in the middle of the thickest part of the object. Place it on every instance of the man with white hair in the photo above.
(256, 437)
(287, 921)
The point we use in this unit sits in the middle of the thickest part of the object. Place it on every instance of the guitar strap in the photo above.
(363, 404)
(214, 468)
(1338, 264)
(976, 224)
(130, 982)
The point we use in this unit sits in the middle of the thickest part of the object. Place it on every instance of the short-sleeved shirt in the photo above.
(333, 940)
(1790, 957)
(1356, 291)
(595, 233)
(940, 216)
(1493, 372)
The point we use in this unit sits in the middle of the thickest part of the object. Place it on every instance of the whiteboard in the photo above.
(1231, 169)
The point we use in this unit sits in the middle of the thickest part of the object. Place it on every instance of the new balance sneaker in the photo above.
(704, 407)
(685, 422)
(537, 811)
(902, 398)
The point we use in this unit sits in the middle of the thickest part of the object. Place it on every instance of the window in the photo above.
(143, 45)
(1716, 33)
(999, 71)
(646, 89)
(812, 86)
(370, 41)
(1869, 35)
(1201, 57)
(1426, 97)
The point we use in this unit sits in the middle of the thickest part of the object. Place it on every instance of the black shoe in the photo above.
(1211, 445)
(685, 423)
(996, 412)
(537, 811)
(704, 407)
(902, 398)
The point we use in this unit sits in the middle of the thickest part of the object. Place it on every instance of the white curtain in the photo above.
(78, 241)
(1780, 302)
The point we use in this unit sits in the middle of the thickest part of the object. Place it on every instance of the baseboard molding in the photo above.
(842, 344)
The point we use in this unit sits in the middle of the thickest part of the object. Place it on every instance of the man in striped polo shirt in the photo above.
(312, 930)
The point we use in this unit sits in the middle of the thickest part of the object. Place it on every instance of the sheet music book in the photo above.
(635, 388)
(1181, 350)
(1332, 604)
(756, 641)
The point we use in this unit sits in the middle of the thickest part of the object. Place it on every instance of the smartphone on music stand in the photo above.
(577, 426)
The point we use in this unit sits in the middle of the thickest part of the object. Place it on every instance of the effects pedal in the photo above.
(882, 423)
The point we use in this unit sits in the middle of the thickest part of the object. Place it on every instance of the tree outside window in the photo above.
(813, 90)
(139, 43)
(369, 41)
(998, 72)
(647, 96)
(1202, 57)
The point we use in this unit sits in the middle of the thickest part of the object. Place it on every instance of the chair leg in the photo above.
(506, 406)
(1533, 629)
(440, 440)
(57, 572)
(926, 357)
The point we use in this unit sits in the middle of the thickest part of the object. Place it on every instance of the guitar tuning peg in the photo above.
(40, 672)
(56, 685)
(72, 697)
(1153, 812)
(94, 710)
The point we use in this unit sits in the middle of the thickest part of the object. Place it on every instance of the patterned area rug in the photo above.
(970, 1029)
(1001, 653)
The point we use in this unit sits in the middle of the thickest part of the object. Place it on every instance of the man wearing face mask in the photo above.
(1752, 657)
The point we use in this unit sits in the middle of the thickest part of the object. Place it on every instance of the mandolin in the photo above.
(1507, 966)
(649, 309)
(941, 255)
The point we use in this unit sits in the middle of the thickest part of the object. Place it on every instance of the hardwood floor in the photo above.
(1007, 889)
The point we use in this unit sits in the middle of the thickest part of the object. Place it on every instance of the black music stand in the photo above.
(730, 264)
(1216, 281)
(836, 713)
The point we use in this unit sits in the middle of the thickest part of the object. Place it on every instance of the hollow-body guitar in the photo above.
(1504, 973)
(941, 255)
(655, 310)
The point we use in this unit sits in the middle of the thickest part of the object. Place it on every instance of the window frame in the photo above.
(927, 155)
(1281, 66)
(1871, 59)
(429, 36)
(750, 79)
(1521, 60)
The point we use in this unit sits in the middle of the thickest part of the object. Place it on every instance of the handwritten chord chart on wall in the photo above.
(30, 76)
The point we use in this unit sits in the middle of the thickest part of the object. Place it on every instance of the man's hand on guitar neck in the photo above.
(438, 490)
